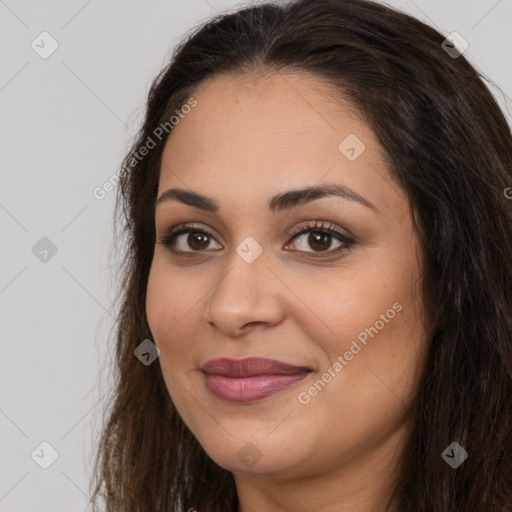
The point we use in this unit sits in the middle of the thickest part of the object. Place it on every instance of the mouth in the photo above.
(250, 379)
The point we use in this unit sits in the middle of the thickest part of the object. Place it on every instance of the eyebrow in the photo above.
(283, 201)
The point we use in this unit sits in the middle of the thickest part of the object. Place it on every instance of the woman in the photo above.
(317, 298)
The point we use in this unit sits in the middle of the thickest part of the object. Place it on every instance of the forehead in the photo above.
(291, 108)
(261, 133)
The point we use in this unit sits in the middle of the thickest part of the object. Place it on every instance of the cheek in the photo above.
(369, 375)
(340, 309)
(159, 305)
(371, 318)
(173, 303)
(167, 299)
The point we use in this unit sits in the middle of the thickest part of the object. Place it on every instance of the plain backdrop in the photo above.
(66, 121)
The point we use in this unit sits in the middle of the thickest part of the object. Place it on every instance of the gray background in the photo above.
(67, 120)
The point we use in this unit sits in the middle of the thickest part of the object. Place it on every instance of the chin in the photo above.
(256, 457)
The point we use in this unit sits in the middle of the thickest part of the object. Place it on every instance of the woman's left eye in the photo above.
(319, 237)
(321, 240)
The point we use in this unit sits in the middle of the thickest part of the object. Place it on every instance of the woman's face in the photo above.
(340, 301)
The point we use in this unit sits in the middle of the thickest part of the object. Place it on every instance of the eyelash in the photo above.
(318, 227)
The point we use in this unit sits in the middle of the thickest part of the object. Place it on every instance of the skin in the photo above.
(248, 138)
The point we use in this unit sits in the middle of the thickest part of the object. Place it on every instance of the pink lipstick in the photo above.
(250, 379)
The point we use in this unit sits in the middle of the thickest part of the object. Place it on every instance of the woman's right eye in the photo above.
(183, 239)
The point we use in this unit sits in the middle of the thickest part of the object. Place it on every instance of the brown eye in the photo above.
(196, 240)
(320, 238)
(319, 241)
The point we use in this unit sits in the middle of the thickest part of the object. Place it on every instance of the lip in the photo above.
(250, 366)
(250, 379)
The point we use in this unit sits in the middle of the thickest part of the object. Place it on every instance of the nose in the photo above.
(246, 295)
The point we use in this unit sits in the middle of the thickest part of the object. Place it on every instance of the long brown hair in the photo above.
(449, 146)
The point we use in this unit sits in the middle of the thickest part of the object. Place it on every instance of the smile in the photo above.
(250, 379)
(250, 389)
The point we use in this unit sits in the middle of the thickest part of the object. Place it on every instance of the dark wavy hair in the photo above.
(449, 146)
